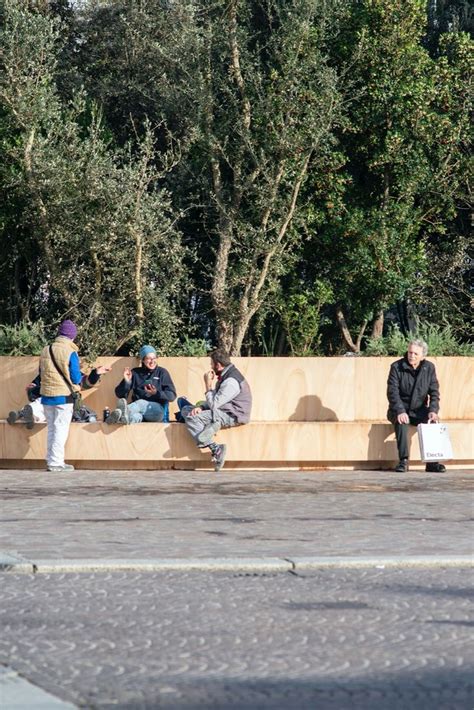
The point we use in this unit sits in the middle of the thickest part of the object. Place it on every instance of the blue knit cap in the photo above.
(146, 350)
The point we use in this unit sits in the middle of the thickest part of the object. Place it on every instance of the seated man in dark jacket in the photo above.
(413, 398)
(151, 387)
(228, 403)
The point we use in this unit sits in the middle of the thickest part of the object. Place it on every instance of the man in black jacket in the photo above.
(151, 388)
(413, 398)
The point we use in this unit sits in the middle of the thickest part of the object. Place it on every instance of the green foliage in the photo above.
(394, 343)
(440, 341)
(404, 168)
(246, 168)
(97, 218)
(193, 347)
(300, 313)
(23, 338)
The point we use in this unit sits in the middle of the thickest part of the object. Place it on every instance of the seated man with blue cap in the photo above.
(151, 389)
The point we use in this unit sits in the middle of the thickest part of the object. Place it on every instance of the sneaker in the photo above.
(28, 416)
(218, 456)
(435, 467)
(114, 417)
(402, 466)
(12, 417)
(64, 467)
(122, 406)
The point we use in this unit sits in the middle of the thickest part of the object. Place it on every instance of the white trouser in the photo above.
(38, 411)
(58, 417)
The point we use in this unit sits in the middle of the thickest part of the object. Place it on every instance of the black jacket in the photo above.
(415, 392)
(159, 378)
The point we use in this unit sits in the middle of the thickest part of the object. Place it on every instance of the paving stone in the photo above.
(361, 639)
(126, 515)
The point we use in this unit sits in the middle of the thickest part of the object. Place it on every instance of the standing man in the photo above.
(228, 403)
(413, 398)
(60, 375)
(151, 388)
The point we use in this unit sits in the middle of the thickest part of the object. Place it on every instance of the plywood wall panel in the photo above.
(284, 389)
(259, 442)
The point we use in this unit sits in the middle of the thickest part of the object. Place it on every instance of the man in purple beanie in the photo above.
(60, 374)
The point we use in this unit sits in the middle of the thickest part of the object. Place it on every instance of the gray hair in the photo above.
(419, 344)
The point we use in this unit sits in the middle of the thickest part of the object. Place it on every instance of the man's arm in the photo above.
(393, 395)
(167, 390)
(93, 378)
(433, 392)
(124, 386)
(75, 373)
(33, 389)
(393, 390)
(229, 389)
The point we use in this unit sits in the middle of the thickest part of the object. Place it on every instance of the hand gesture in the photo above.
(403, 418)
(30, 386)
(209, 380)
(433, 417)
(127, 375)
(102, 369)
(196, 410)
(150, 390)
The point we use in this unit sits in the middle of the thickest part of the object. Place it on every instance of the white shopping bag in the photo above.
(435, 444)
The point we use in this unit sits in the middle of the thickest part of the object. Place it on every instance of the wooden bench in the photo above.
(308, 413)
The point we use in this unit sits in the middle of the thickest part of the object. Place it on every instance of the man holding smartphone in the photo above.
(151, 389)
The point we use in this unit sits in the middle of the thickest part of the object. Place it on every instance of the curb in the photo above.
(18, 565)
(15, 563)
(19, 693)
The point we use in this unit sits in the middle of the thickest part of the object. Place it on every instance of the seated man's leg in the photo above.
(200, 426)
(221, 421)
(204, 426)
(401, 435)
(219, 451)
(154, 412)
(144, 411)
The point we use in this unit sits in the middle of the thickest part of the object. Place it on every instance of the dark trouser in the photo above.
(401, 434)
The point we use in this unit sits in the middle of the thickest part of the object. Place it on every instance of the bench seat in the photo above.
(272, 445)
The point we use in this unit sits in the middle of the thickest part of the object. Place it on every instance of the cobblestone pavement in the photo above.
(326, 640)
(116, 515)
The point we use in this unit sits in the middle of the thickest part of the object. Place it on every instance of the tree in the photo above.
(96, 235)
(247, 90)
(401, 174)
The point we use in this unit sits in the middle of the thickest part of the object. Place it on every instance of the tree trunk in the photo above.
(346, 335)
(377, 326)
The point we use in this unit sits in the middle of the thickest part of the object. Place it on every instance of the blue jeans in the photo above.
(143, 411)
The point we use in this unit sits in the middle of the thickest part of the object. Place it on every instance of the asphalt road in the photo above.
(326, 639)
(137, 514)
(334, 639)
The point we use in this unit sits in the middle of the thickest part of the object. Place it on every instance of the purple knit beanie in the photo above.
(68, 329)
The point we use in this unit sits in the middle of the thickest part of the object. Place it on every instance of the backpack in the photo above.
(84, 414)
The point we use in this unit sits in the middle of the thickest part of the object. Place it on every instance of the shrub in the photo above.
(23, 338)
(193, 347)
(440, 341)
